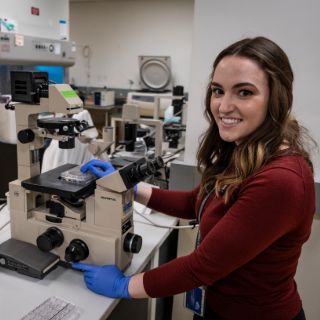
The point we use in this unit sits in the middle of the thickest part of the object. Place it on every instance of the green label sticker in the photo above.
(69, 94)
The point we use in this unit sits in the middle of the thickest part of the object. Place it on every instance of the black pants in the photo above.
(210, 315)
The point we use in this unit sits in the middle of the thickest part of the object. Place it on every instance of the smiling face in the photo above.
(240, 94)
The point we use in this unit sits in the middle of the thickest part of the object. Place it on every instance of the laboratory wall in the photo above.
(295, 26)
(110, 35)
(41, 18)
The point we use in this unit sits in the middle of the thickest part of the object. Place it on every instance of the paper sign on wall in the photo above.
(35, 11)
(63, 29)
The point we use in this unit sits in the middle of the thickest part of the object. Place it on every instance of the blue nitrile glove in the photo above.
(135, 191)
(106, 280)
(98, 167)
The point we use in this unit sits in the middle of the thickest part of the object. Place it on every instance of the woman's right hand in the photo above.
(98, 167)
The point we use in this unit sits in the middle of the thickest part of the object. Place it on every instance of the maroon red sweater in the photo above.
(250, 248)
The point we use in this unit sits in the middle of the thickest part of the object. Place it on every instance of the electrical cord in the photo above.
(168, 156)
(177, 113)
(2, 206)
(2, 227)
(151, 223)
(165, 157)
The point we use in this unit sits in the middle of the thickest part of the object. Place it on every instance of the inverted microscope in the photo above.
(63, 216)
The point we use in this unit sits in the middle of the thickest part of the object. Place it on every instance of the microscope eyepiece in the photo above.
(139, 171)
(158, 163)
(142, 171)
(146, 169)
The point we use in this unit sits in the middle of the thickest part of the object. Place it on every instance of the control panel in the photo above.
(22, 49)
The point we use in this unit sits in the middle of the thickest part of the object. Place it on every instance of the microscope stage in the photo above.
(51, 182)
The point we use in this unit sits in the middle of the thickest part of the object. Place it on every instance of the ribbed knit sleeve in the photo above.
(179, 204)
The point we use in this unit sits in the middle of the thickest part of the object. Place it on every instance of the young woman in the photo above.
(255, 203)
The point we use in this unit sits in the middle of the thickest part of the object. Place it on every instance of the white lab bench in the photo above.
(20, 294)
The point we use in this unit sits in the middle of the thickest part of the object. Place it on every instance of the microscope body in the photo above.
(98, 232)
(96, 229)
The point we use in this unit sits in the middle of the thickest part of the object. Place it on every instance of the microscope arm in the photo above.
(97, 146)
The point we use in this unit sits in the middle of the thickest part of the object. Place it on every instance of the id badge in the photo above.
(194, 300)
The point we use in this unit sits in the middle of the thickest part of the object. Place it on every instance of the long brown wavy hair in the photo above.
(225, 165)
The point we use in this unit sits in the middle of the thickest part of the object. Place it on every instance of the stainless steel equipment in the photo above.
(155, 73)
(19, 49)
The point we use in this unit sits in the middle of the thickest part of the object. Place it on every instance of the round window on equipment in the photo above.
(155, 73)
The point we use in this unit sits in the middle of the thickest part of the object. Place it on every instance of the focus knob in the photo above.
(76, 251)
(132, 243)
(51, 239)
(26, 136)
